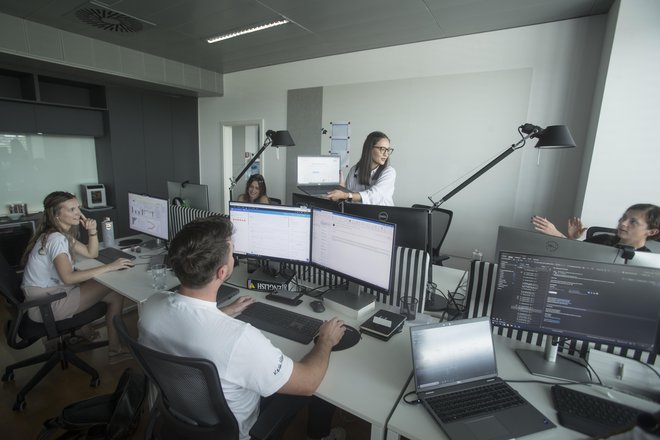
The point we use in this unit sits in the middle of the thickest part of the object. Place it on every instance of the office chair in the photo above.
(191, 402)
(274, 201)
(411, 273)
(600, 230)
(21, 332)
(438, 228)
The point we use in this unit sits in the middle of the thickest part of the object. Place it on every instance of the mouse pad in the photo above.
(350, 338)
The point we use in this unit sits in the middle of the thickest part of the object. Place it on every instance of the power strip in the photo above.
(625, 374)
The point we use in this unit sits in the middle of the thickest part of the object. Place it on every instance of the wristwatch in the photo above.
(350, 197)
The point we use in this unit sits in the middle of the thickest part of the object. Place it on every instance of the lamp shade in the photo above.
(555, 136)
(282, 138)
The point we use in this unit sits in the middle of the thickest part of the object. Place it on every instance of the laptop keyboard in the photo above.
(108, 255)
(467, 403)
(290, 325)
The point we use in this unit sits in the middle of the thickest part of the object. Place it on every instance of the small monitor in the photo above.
(358, 249)
(411, 223)
(273, 232)
(187, 194)
(148, 215)
(316, 202)
(606, 303)
(318, 170)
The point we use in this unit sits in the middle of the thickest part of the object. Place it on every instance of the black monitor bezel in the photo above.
(597, 339)
(167, 216)
(349, 277)
(308, 201)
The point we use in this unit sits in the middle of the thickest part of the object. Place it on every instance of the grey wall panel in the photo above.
(159, 165)
(12, 34)
(77, 49)
(304, 122)
(107, 57)
(132, 62)
(72, 121)
(185, 139)
(17, 117)
(44, 41)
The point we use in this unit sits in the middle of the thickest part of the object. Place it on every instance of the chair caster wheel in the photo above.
(8, 377)
(95, 382)
(19, 405)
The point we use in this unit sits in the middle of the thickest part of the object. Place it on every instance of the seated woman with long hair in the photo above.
(255, 190)
(49, 267)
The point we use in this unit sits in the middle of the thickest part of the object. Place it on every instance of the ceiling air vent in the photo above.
(97, 15)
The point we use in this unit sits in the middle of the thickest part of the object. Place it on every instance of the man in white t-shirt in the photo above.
(189, 324)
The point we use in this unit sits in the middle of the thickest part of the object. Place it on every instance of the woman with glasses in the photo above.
(255, 190)
(371, 180)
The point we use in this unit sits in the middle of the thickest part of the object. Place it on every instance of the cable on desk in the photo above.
(411, 402)
(396, 403)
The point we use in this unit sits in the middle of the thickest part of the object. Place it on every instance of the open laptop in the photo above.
(453, 362)
(317, 175)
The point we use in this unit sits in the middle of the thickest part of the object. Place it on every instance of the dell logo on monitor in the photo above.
(383, 216)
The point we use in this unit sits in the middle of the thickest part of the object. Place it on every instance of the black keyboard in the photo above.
(108, 255)
(591, 415)
(290, 325)
(474, 401)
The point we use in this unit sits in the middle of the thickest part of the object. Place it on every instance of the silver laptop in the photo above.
(317, 175)
(456, 380)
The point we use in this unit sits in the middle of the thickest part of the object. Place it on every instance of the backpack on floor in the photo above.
(110, 416)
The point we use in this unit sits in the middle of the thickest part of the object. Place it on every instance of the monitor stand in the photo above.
(548, 364)
(352, 302)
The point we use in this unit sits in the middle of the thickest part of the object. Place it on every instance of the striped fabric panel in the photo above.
(411, 274)
(179, 216)
(317, 276)
(481, 289)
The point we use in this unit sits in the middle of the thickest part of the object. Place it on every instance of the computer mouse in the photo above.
(317, 306)
(350, 338)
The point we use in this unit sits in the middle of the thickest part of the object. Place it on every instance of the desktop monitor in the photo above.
(148, 215)
(316, 202)
(606, 303)
(187, 194)
(537, 243)
(411, 223)
(273, 232)
(358, 249)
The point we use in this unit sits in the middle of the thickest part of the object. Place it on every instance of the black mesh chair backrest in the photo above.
(10, 283)
(600, 230)
(189, 390)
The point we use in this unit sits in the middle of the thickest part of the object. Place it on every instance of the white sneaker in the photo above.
(336, 433)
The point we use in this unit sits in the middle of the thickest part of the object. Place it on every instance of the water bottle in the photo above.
(108, 232)
(477, 255)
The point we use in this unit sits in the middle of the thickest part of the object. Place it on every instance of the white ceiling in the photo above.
(176, 29)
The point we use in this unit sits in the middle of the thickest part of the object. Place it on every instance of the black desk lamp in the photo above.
(551, 137)
(280, 138)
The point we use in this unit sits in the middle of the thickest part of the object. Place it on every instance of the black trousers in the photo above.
(319, 416)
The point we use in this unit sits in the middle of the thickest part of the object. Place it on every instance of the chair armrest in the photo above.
(46, 312)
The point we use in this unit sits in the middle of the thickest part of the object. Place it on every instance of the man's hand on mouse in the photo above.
(332, 331)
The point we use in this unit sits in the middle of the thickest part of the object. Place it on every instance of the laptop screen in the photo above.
(318, 170)
(451, 353)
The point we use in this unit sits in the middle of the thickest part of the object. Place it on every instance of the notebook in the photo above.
(317, 175)
(454, 363)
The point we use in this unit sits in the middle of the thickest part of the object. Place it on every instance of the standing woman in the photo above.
(371, 180)
(255, 190)
(49, 267)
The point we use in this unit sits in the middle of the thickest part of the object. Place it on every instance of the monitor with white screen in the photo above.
(148, 215)
(606, 303)
(188, 194)
(358, 249)
(273, 232)
(314, 170)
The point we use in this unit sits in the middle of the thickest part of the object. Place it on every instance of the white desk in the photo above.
(415, 423)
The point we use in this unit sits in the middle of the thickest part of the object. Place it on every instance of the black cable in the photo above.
(649, 367)
(396, 403)
(411, 402)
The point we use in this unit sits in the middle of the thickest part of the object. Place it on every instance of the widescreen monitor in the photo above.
(273, 232)
(411, 223)
(187, 194)
(148, 215)
(358, 249)
(316, 202)
(606, 303)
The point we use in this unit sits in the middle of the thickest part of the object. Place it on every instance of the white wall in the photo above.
(561, 60)
(625, 163)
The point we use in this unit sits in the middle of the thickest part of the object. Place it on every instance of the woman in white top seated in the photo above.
(371, 180)
(49, 267)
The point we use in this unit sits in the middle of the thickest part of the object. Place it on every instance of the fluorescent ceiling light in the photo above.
(247, 31)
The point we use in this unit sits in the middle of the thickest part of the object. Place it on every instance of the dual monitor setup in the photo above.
(565, 288)
(358, 249)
